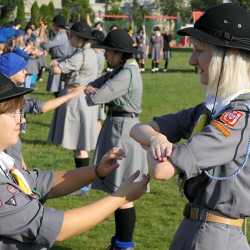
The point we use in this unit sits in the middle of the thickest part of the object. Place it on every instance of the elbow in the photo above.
(159, 175)
(132, 132)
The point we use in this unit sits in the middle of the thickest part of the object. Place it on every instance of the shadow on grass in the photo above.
(61, 248)
(38, 123)
(35, 142)
(170, 71)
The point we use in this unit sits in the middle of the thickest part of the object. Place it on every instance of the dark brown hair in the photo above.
(11, 105)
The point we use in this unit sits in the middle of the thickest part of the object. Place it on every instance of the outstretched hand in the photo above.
(109, 162)
(131, 190)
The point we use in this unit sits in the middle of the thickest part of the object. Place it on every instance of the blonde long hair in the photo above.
(235, 74)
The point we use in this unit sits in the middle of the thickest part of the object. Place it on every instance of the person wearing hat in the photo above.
(213, 164)
(74, 125)
(121, 90)
(28, 223)
(58, 47)
(156, 45)
(14, 67)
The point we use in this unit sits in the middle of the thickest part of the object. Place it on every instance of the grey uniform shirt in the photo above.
(58, 46)
(219, 148)
(25, 222)
(124, 85)
(78, 68)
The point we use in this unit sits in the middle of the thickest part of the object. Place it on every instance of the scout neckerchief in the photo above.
(7, 166)
(220, 104)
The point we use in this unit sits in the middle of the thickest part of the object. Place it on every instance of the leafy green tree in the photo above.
(21, 13)
(202, 5)
(34, 13)
(65, 13)
(52, 9)
(243, 3)
(7, 9)
(45, 14)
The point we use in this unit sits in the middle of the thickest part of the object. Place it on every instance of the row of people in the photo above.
(216, 187)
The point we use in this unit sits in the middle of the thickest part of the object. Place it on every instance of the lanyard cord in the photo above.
(130, 95)
(223, 178)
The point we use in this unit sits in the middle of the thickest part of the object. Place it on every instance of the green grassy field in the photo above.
(158, 212)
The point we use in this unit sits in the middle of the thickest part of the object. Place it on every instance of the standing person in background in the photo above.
(167, 37)
(213, 163)
(121, 90)
(142, 45)
(156, 45)
(75, 125)
(58, 48)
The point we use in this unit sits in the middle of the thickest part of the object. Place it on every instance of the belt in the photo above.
(67, 86)
(122, 114)
(202, 214)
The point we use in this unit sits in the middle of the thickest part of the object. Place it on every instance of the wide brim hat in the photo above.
(224, 25)
(9, 90)
(98, 34)
(81, 29)
(59, 20)
(118, 40)
(11, 63)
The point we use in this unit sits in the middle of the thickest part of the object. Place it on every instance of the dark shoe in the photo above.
(119, 245)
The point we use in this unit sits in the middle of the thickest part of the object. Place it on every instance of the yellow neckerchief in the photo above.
(7, 165)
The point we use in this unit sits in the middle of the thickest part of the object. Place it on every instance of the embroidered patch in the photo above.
(231, 118)
(1, 203)
(221, 128)
(11, 201)
(11, 189)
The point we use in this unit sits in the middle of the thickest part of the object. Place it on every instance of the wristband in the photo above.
(97, 173)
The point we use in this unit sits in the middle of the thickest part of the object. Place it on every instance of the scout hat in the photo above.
(82, 29)
(99, 35)
(224, 25)
(59, 20)
(11, 63)
(8, 89)
(118, 40)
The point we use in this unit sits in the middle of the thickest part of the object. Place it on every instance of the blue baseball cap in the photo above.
(7, 32)
(11, 63)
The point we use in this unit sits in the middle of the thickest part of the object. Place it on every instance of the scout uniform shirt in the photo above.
(219, 148)
(25, 222)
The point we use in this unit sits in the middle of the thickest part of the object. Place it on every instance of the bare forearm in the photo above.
(67, 182)
(54, 103)
(81, 219)
(143, 132)
(161, 170)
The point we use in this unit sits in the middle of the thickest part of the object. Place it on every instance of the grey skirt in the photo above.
(115, 133)
(54, 83)
(75, 124)
(199, 235)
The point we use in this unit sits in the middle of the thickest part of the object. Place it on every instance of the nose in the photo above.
(193, 60)
(23, 120)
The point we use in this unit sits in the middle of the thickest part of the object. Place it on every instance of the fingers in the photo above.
(134, 176)
(116, 154)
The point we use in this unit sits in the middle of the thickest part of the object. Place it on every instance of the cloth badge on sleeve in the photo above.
(221, 128)
(11, 189)
(231, 118)
(11, 201)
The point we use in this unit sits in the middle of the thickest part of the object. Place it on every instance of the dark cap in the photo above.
(82, 29)
(224, 25)
(118, 40)
(9, 90)
(59, 20)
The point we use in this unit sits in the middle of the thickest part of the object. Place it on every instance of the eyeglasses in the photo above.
(18, 115)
